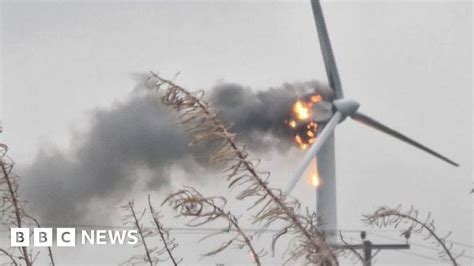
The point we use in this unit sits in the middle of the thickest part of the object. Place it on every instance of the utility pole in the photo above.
(367, 247)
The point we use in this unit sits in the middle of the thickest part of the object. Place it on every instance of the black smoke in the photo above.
(140, 133)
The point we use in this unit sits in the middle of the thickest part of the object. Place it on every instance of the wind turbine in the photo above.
(340, 108)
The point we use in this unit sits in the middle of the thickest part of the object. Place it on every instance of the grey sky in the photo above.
(409, 64)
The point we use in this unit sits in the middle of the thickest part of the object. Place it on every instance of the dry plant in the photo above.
(395, 217)
(134, 220)
(50, 251)
(12, 212)
(169, 243)
(356, 255)
(270, 204)
(188, 202)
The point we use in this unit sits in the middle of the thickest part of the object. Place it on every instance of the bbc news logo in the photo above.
(66, 237)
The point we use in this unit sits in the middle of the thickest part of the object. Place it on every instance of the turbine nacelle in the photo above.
(347, 107)
(324, 110)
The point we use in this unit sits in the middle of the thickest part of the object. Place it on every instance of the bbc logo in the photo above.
(66, 237)
(43, 237)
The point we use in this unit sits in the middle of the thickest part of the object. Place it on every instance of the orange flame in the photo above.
(300, 142)
(301, 120)
(301, 110)
(316, 98)
(292, 124)
(314, 174)
(315, 179)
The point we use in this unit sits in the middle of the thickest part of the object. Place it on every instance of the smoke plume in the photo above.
(140, 134)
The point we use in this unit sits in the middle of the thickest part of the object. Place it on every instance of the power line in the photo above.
(421, 245)
(416, 254)
(419, 255)
(418, 243)
(461, 244)
(378, 233)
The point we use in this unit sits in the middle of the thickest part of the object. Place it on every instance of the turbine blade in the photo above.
(326, 49)
(364, 119)
(314, 149)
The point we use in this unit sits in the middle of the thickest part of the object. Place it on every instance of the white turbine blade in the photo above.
(314, 149)
(364, 119)
(326, 49)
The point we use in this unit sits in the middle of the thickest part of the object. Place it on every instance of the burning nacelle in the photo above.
(307, 115)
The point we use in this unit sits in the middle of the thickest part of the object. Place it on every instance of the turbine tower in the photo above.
(324, 146)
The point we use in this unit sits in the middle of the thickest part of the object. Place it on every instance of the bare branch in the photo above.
(386, 216)
(169, 243)
(357, 254)
(11, 208)
(50, 251)
(135, 220)
(10, 256)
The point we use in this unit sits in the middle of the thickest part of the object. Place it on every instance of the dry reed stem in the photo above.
(188, 202)
(206, 128)
(133, 219)
(168, 242)
(394, 217)
(11, 208)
